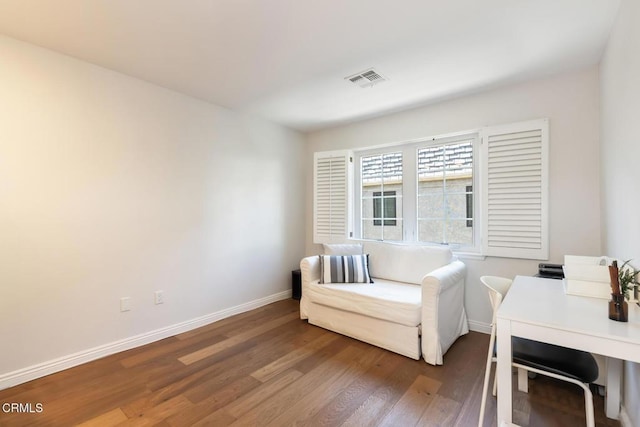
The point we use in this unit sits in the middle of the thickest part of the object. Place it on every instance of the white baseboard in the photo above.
(52, 366)
(476, 326)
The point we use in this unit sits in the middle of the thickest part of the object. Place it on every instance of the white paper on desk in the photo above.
(587, 289)
(587, 260)
(590, 269)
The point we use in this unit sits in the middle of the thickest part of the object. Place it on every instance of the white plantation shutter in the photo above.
(515, 203)
(332, 185)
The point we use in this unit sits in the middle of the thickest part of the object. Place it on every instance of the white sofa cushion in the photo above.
(383, 299)
(404, 263)
(342, 248)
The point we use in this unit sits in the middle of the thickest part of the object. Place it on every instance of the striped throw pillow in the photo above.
(344, 269)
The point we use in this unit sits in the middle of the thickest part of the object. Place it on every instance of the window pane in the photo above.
(459, 233)
(368, 190)
(457, 206)
(431, 231)
(445, 179)
(381, 203)
(430, 163)
(430, 186)
(431, 207)
(394, 232)
(369, 231)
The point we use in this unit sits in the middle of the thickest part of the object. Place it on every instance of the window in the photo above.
(381, 190)
(445, 172)
(384, 206)
(435, 174)
(430, 192)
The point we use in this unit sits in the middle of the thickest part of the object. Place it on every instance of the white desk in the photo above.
(539, 309)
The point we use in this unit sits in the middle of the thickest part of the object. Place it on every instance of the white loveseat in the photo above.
(414, 307)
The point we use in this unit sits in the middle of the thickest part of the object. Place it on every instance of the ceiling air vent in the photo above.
(366, 78)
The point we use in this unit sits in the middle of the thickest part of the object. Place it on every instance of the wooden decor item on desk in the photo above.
(613, 274)
(618, 308)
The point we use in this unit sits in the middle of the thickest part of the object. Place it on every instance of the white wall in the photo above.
(620, 150)
(113, 187)
(570, 101)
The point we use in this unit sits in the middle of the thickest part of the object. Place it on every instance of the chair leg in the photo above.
(487, 374)
(588, 406)
(588, 396)
(495, 383)
(523, 380)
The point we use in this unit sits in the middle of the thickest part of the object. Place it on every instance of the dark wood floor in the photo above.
(268, 367)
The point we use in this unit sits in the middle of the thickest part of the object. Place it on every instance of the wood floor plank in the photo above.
(159, 413)
(233, 362)
(110, 418)
(192, 374)
(207, 409)
(333, 367)
(169, 347)
(470, 357)
(408, 410)
(235, 340)
(368, 414)
(305, 409)
(242, 364)
(470, 410)
(182, 381)
(269, 371)
(440, 412)
(86, 401)
(340, 408)
(216, 419)
(245, 403)
(385, 396)
(242, 322)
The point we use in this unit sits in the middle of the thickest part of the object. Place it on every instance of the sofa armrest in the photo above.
(444, 318)
(445, 277)
(310, 271)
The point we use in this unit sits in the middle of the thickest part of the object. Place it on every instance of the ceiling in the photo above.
(287, 59)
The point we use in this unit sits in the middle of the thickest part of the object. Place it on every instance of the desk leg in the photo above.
(613, 386)
(505, 386)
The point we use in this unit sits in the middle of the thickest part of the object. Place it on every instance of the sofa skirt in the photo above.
(401, 339)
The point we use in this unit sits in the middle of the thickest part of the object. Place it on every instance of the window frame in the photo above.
(409, 197)
(474, 138)
(357, 200)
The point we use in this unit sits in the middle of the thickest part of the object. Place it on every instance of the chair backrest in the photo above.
(498, 288)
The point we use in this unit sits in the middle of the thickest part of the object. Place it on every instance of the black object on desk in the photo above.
(550, 271)
(296, 284)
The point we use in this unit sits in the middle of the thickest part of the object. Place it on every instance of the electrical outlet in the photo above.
(125, 304)
(159, 297)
